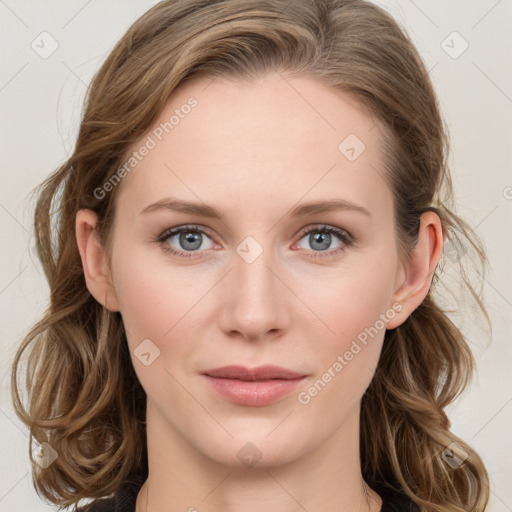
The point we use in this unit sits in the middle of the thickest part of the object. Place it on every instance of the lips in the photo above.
(266, 372)
(254, 387)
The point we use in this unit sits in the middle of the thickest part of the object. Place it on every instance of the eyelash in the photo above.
(343, 235)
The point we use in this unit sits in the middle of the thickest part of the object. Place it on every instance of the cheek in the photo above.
(352, 308)
(152, 295)
(156, 305)
(349, 301)
(151, 310)
(346, 360)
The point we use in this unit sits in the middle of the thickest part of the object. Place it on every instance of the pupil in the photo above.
(322, 237)
(189, 238)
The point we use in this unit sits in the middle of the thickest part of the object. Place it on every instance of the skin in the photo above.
(254, 152)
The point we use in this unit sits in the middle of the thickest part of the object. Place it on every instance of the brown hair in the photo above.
(85, 400)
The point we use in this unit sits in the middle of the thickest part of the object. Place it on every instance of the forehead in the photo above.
(236, 144)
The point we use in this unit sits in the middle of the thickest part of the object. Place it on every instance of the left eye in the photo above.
(191, 239)
(320, 238)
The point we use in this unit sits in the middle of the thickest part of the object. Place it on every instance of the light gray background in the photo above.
(40, 108)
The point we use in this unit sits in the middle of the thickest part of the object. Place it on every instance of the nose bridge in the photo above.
(255, 301)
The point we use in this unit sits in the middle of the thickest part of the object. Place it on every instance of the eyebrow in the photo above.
(204, 210)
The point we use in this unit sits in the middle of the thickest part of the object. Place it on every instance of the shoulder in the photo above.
(123, 500)
(101, 505)
(395, 500)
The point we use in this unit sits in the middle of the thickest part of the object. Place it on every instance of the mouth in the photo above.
(255, 387)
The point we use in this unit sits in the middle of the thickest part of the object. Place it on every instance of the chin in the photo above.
(254, 448)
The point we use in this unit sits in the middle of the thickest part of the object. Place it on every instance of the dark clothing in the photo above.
(394, 501)
(124, 500)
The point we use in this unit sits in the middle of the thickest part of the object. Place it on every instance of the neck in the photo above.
(182, 479)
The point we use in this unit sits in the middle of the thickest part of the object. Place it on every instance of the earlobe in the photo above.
(420, 269)
(94, 260)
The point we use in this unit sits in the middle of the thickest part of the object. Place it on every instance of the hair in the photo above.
(85, 400)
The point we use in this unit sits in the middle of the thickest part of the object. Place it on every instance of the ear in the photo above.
(94, 260)
(419, 269)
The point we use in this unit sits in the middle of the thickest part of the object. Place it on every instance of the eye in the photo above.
(189, 239)
(320, 239)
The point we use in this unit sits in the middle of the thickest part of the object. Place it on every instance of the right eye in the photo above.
(190, 238)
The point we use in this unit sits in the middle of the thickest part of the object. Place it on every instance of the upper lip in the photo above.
(265, 372)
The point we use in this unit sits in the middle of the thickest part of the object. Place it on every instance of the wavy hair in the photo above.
(84, 398)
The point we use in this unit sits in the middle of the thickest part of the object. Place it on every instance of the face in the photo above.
(269, 281)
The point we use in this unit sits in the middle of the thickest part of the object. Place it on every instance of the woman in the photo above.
(242, 311)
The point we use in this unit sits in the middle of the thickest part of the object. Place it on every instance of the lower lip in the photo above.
(253, 393)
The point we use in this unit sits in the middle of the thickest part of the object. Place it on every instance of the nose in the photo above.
(254, 297)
